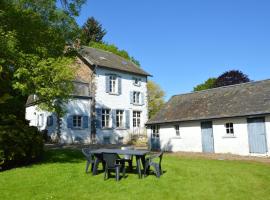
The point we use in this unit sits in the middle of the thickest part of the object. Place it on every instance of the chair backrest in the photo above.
(127, 157)
(110, 159)
(87, 153)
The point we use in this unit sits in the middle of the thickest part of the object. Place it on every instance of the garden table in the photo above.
(139, 154)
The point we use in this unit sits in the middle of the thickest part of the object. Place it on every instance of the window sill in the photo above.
(136, 104)
(177, 137)
(229, 136)
(111, 93)
(120, 128)
(107, 128)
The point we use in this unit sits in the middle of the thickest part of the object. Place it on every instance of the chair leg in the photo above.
(105, 173)
(92, 167)
(157, 171)
(117, 173)
(87, 166)
(130, 165)
(124, 170)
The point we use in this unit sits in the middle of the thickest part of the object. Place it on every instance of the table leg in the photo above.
(138, 166)
(95, 166)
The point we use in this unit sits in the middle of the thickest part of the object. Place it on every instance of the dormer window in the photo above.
(136, 81)
(113, 84)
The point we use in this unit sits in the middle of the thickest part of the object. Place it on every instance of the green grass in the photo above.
(61, 176)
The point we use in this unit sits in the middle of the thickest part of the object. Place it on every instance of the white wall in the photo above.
(74, 107)
(122, 101)
(190, 136)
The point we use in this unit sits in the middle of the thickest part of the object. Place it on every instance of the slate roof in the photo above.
(244, 99)
(109, 60)
(81, 90)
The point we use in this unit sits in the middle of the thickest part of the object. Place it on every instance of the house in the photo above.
(108, 103)
(232, 119)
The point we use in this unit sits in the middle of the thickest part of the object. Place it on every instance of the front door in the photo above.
(257, 135)
(207, 137)
(155, 142)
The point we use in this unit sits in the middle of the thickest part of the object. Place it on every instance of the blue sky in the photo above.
(184, 42)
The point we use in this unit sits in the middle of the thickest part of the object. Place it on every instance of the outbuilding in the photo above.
(232, 119)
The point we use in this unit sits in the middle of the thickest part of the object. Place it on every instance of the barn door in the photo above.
(207, 137)
(257, 135)
(155, 140)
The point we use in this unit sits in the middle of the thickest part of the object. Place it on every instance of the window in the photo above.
(229, 128)
(119, 118)
(155, 131)
(136, 97)
(40, 120)
(77, 121)
(112, 84)
(50, 120)
(105, 118)
(137, 81)
(177, 132)
(136, 118)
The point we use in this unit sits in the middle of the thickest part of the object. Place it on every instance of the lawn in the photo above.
(61, 176)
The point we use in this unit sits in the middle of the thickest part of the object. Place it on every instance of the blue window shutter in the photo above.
(50, 120)
(113, 118)
(142, 98)
(70, 121)
(119, 85)
(85, 121)
(107, 83)
(98, 117)
(131, 97)
(127, 113)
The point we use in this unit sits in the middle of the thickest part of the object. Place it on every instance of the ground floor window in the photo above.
(136, 118)
(119, 118)
(105, 118)
(177, 131)
(77, 121)
(229, 128)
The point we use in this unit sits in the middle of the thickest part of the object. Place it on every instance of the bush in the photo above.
(20, 144)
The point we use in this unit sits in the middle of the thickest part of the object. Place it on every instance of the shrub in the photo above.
(20, 144)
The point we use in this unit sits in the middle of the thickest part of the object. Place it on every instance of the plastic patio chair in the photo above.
(156, 165)
(128, 158)
(89, 159)
(113, 163)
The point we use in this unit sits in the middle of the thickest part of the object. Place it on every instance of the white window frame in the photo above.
(136, 97)
(229, 128)
(120, 118)
(136, 119)
(113, 84)
(106, 118)
(77, 121)
(177, 130)
(40, 120)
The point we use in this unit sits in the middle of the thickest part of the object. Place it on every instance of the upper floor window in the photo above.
(136, 118)
(77, 121)
(177, 131)
(105, 118)
(136, 97)
(229, 128)
(136, 81)
(40, 120)
(112, 84)
(119, 118)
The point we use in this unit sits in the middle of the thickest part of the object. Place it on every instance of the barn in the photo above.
(232, 119)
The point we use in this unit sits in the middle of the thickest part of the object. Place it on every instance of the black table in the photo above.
(139, 154)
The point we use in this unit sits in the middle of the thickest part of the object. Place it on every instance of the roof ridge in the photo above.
(227, 86)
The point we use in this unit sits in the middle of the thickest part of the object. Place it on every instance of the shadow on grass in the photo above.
(62, 156)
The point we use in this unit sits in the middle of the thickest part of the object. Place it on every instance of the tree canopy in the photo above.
(208, 84)
(92, 31)
(230, 78)
(155, 98)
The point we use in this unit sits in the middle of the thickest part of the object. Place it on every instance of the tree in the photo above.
(155, 98)
(114, 49)
(33, 59)
(230, 78)
(92, 31)
(208, 84)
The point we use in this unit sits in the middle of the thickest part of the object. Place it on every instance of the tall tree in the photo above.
(92, 31)
(208, 84)
(155, 98)
(230, 78)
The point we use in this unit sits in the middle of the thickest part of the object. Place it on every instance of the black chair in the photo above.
(128, 158)
(156, 165)
(113, 162)
(89, 159)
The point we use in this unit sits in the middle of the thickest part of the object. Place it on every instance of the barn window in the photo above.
(229, 128)
(77, 121)
(177, 131)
